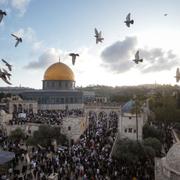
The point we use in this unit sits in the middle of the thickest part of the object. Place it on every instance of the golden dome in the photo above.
(59, 71)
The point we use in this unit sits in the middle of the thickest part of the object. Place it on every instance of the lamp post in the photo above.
(136, 113)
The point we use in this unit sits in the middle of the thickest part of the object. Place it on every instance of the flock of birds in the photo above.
(5, 75)
(99, 39)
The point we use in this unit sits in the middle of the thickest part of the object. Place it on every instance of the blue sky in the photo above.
(54, 28)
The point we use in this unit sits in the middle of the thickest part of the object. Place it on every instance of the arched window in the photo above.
(14, 108)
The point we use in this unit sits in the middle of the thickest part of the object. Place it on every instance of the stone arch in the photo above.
(30, 108)
(20, 108)
(114, 116)
(102, 114)
(109, 110)
(15, 108)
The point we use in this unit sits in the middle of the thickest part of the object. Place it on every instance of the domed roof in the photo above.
(173, 158)
(127, 108)
(59, 71)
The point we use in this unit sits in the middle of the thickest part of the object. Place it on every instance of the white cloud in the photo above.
(29, 36)
(118, 57)
(49, 56)
(19, 5)
(157, 59)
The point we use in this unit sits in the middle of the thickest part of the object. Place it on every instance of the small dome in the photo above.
(173, 158)
(59, 71)
(128, 106)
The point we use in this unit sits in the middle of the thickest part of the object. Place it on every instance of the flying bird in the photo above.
(177, 75)
(18, 39)
(98, 36)
(137, 59)
(3, 77)
(6, 73)
(73, 55)
(165, 14)
(129, 21)
(7, 64)
(2, 14)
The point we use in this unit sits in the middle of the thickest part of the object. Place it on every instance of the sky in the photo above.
(53, 29)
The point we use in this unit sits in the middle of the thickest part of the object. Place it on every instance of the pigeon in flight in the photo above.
(18, 39)
(3, 77)
(7, 64)
(73, 55)
(98, 36)
(6, 73)
(177, 75)
(137, 59)
(2, 13)
(128, 20)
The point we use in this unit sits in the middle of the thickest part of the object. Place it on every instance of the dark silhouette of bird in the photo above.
(73, 55)
(98, 36)
(2, 14)
(165, 14)
(6, 73)
(177, 75)
(18, 39)
(3, 77)
(128, 20)
(137, 59)
(7, 64)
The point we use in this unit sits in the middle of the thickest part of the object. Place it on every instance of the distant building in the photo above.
(131, 124)
(14, 90)
(88, 96)
(17, 104)
(168, 167)
(58, 90)
(100, 99)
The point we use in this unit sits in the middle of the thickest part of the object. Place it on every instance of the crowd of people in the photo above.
(53, 117)
(88, 159)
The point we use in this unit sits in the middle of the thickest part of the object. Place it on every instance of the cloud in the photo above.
(49, 56)
(157, 59)
(116, 57)
(29, 35)
(19, 5)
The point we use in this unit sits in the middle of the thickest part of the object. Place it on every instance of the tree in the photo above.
(17, 134)
(155, 144)
(46, 134)
(137, 109)
(165, 110)
(131, 152)
(151, 131)
(2, 95)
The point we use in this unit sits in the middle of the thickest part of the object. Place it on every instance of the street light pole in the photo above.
(136, 113)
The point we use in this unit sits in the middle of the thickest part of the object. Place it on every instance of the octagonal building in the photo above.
(58, 77)
(58, 89)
